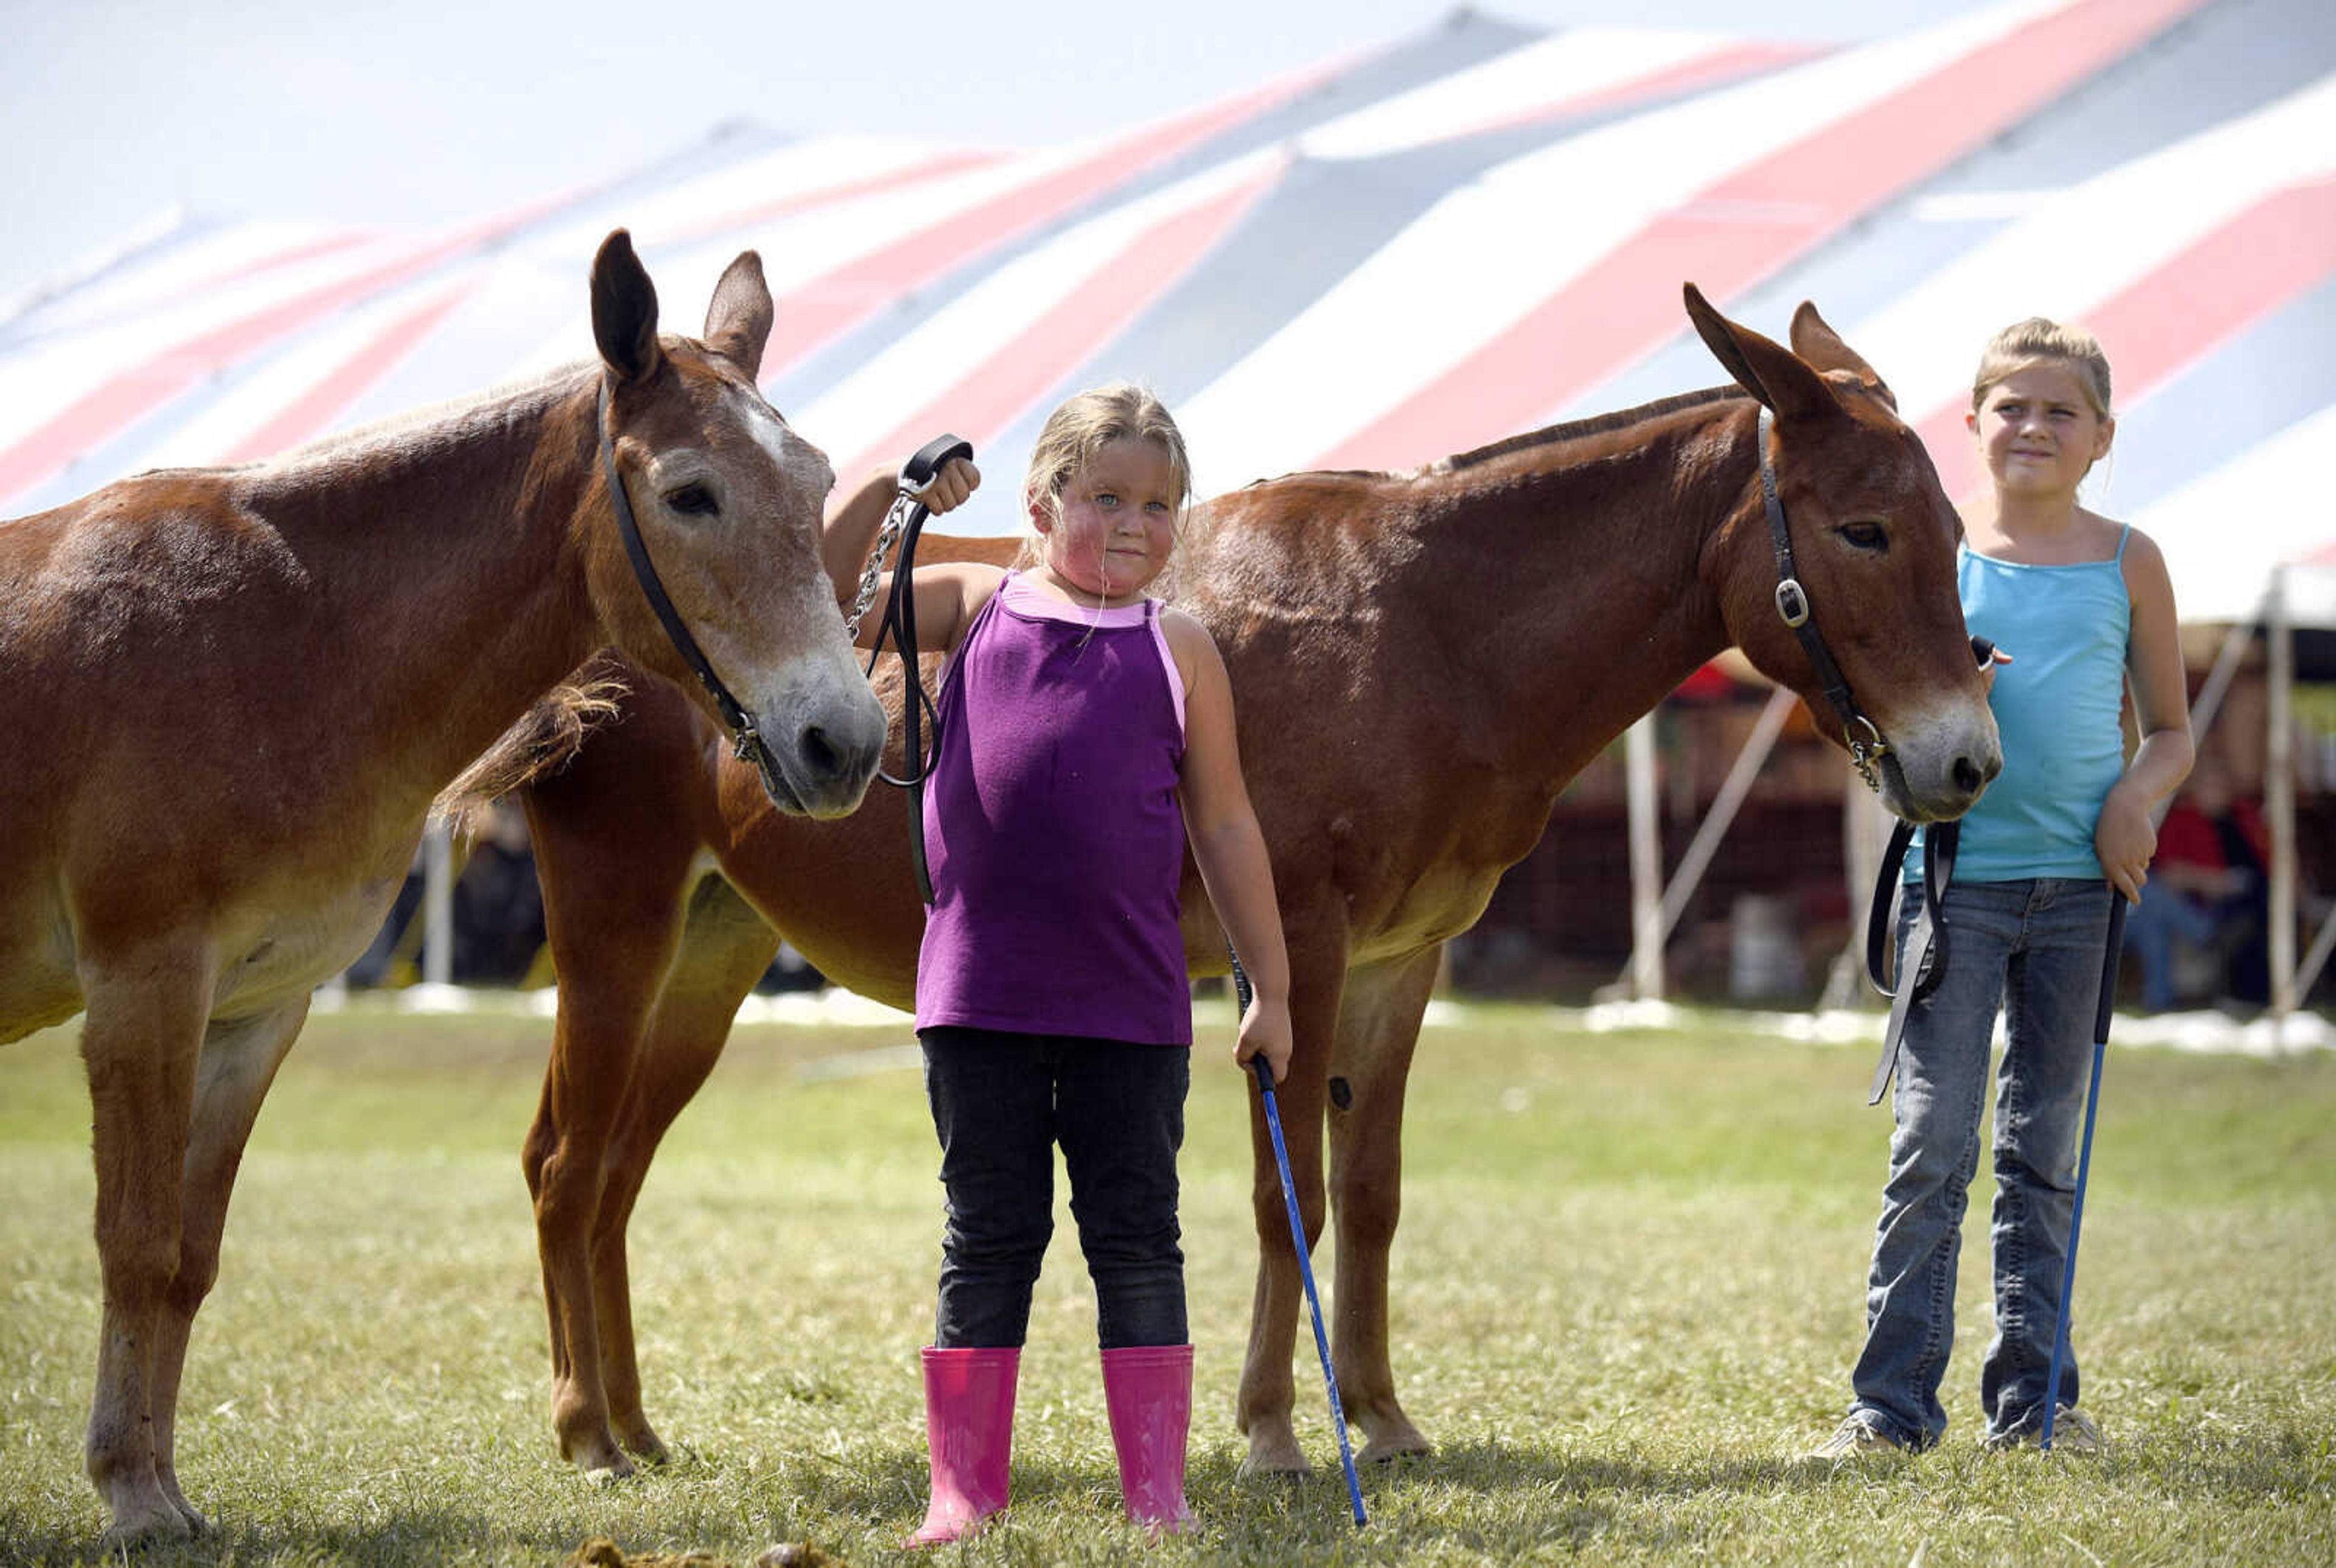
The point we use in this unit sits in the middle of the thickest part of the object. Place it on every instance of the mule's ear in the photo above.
(738, 321)
(1816, 342)
(624, 310)
(1768, 371)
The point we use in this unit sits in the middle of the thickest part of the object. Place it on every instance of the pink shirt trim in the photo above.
(1024, 599)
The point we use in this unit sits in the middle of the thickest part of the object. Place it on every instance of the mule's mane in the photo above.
(1596, 425)
(399, 429)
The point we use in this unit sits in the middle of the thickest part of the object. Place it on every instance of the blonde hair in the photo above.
(1080, 429)
(2037, 340)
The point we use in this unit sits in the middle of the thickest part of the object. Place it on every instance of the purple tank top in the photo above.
(1052, 826)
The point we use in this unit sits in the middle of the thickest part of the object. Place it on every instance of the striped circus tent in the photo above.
(1390, 257)
(1373, 263)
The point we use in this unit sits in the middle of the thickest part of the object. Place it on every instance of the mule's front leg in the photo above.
(1378, 1030)
(236, 1066)
(140, 1041)
(1263, 1409)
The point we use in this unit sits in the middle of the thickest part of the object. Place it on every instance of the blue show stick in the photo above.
(2084, 1159)
(1264, 1070)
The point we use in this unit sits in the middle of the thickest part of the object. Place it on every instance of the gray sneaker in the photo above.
(2073, 1432)
(1858, 1434)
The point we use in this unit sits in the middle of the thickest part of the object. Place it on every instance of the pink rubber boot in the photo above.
(1148, 1389)
(969, 1430)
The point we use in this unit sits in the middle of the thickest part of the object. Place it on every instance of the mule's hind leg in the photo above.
(726, 947)
(1379, 1029)
(232, 1075)
(140, 1041)
(612, 907)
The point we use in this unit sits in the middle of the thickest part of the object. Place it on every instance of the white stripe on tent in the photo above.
(2224, 531)
(1584, 63)
(985, 321)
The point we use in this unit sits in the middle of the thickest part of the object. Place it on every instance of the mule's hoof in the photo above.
(618, 1469)
(154, 1520)
(1406, 1446)
(646, 1446)
(1281, 1457)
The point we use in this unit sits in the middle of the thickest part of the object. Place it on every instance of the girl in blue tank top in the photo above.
(2082, 612)
(1086, 740)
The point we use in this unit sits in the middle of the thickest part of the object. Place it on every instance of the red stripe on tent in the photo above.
(1120, 288)
(2180, 311)
(935, 168)
(310, 413)
(840, 299)
(1746, 228)
(1703, 72)
(99, 414)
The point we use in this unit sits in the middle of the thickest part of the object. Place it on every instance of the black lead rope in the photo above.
(899, 624)
(1926, 939)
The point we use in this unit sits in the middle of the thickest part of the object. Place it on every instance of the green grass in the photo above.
(1627, 1289)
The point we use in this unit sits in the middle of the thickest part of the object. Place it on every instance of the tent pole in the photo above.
(2279, 798)
(1646, 861)
(2217, 684)
(1723, 807)
(1708, 834)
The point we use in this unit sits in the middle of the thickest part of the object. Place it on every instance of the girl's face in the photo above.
(2038, 432)
(1114, 527)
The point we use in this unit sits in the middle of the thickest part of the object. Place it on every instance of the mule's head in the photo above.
(1873, 541)
(727, 499)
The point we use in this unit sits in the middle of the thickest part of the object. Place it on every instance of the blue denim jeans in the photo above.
(1001, 1102)
(2032, 950)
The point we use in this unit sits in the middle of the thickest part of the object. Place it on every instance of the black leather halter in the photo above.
(745, 740)
(1864, 738)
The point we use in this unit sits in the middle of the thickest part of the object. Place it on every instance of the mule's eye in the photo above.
(692, 500)
(1868, 536)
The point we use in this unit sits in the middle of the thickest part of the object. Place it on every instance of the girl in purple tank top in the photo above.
(1085, 743)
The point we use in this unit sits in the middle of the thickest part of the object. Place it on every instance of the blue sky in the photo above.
(419, 111)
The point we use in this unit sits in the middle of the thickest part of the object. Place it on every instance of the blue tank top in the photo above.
(1052, 828)
(2057, 705)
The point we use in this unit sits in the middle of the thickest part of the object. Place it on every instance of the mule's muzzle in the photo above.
(824, 766)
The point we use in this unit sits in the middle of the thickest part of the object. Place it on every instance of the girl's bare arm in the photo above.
(2126, 837)
(1228, 845)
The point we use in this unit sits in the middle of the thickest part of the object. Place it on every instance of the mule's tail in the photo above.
(545, 740)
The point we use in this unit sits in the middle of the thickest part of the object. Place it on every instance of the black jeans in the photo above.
(1001, 1103)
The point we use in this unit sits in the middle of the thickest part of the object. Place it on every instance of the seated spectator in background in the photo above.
(2210, 888)
(498, 904)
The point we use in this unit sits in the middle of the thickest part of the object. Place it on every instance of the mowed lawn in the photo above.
(1627, 1289)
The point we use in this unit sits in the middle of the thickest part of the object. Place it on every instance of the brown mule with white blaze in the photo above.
(232, 695)
(1420, 663)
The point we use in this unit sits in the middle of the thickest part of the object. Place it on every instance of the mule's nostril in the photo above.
(819, 754)
(1970, 777)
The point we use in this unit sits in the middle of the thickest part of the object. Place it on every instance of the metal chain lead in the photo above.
(886, 538)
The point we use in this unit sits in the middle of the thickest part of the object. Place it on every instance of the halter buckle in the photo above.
(1793, 603)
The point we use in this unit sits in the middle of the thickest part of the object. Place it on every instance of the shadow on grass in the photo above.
(402, 1539)
(1487, 1499)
